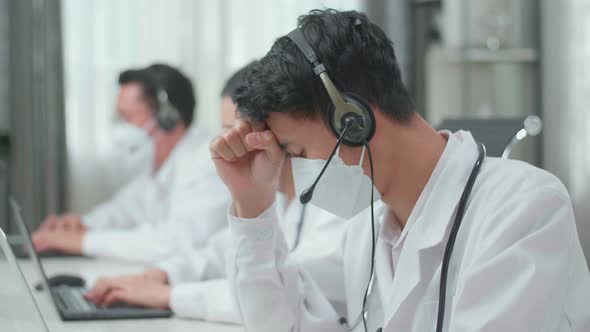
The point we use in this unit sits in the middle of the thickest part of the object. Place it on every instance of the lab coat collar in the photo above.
(186, 147)
(441, 202)
(435, 209)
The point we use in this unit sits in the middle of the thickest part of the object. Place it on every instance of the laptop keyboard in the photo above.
(72, 299)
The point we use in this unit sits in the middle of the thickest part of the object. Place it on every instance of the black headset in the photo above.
(167, 116)
(345, 109)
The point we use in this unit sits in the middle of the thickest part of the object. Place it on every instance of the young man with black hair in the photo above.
(173, 206)
(517, 263)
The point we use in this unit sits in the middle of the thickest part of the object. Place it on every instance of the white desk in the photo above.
(86, 267)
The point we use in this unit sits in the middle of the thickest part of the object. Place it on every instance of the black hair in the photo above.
(357, 54)
(178, 87)
(235, 80)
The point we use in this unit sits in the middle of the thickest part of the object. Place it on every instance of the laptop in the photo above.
(14, 288)
(69, 300)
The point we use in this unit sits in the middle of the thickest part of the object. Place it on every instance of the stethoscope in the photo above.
(446, 256)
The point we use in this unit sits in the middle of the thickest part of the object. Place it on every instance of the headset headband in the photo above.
(346, 107)
(299, 39)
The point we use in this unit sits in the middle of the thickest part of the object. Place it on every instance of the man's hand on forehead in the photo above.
(244, 137)
(258, 126)
(248, 159)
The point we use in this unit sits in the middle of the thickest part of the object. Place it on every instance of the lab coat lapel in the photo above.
(421, 256)
(357, 258)
(384, 271)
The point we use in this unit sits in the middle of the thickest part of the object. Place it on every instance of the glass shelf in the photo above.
(481, 60)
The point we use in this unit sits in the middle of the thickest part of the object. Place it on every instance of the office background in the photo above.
(59, 62)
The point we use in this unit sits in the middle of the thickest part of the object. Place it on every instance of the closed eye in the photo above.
(290, 153)
(294, 155)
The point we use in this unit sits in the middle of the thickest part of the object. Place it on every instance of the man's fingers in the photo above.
(243, 128)
(266, 140)
(67, 225)
(220, 148)
(97, 291)
(49, 222)
(40, 241)
(235, 143)
(114, 296)
(156, 274)
(70, 222)
(79, 227)
(100, 289)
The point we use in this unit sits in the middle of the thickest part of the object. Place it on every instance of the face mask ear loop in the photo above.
(362, 156)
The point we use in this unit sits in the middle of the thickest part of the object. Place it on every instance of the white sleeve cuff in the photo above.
(176, 268)
(210, 300)
(92, 244)
(136, 245)
(261, 228)
(91, 219)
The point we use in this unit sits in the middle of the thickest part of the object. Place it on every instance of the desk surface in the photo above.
(90, 268)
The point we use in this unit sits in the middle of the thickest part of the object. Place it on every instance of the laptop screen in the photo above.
(18, 309)
(26, 235)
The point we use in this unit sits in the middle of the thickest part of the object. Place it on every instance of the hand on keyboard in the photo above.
(135, 290)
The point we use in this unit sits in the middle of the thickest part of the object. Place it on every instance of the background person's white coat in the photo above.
(517, 263)
(158, 215)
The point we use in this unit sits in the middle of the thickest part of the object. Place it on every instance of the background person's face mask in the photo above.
(133, 148)
(131, 138)
(344, 190)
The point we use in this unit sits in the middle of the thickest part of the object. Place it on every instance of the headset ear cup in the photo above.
(367, 122)
(166, 123)
(166, 115)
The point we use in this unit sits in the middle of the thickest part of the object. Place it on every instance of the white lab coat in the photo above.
(160, 214)
(201, 291)
(517, 264)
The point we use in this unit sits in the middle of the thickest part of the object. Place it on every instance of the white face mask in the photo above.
(343, 190)
(133, 148)
(131, 138)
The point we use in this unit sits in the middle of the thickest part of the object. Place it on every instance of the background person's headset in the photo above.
(167, 116)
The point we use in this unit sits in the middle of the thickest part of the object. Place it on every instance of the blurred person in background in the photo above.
(175, 204)
(195, 286)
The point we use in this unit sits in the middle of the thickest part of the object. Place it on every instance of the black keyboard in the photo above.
(72, 305)
(72, 299)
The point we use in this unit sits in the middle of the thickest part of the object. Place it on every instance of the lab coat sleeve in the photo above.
(200, 264)
(209, 300)
(272, 293)
(521, 271)
(121, 210)
(142, 244)
(319, 253)
(198, 210)
(177, 269)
